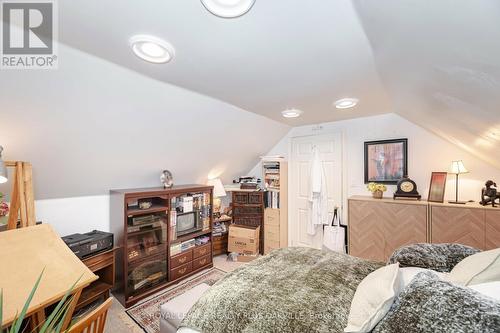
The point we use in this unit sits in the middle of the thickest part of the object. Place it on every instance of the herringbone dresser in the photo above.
(470, 224)
(377, 227)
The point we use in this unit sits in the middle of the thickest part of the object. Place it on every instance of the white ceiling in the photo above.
(282, 54)
(440, 64)
(435, 62)
(91, 126)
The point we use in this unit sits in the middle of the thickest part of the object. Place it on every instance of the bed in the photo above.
(283, 291)
(308, 290)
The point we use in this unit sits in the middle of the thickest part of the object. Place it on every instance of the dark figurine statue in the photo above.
(489, 194)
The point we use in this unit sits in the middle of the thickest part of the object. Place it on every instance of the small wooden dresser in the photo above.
(103, 265)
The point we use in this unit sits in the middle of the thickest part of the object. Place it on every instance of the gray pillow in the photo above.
(438, 257)
(431, 305)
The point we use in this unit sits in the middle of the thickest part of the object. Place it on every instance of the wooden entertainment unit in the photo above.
(164, 235)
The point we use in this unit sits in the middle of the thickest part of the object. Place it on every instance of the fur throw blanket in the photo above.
(289, 290)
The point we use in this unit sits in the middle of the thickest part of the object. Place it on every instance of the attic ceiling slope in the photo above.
(441, 66)
(281, 54)
(91, 126)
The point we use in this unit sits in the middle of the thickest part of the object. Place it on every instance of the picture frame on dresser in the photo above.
(437, 187)
(386, 161)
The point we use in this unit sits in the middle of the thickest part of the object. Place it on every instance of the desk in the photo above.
(24, 253)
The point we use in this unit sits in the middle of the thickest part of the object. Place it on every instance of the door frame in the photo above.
(343, 154)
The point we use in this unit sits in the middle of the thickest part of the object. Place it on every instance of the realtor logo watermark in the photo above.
(29, 34)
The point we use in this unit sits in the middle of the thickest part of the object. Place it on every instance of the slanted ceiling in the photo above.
(91, 126)
(105, 116)
(435, 62)
(439, 61)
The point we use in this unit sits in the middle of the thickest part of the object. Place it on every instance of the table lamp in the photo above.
(218, 192)
(3, 169)
(457, 168)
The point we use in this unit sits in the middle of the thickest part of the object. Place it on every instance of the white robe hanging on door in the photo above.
(318, 195)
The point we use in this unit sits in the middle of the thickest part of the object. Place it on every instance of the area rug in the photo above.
(147, 313)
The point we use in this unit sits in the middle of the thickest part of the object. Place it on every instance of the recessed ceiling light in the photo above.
(346, 103)
(152, 49)
(291, 113)
(228, 8)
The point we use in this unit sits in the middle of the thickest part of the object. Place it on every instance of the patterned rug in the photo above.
(147, 313)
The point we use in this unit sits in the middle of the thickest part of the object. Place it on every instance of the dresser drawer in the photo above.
(202, 261)
(247, 210)
(240, 198)
(255, 198)
(180, 271)
(272, 233)
(271, 216)
(250, 221)
(181, 259)
(98, 261)
(97, 265)
(200, 251)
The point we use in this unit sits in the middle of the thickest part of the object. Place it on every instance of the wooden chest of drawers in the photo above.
(275, 230)
(191, 260)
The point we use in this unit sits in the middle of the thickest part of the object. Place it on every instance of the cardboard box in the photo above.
(246, 258)
(243, 239)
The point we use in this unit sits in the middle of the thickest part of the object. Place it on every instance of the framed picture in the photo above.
(386, 161)
(438, 186)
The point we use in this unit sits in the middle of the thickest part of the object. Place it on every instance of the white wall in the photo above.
(427, 153)
(91, 126)
(75, 215)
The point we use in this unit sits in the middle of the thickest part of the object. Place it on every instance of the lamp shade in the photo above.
(457, 167)
(218, 187)
(3, 169)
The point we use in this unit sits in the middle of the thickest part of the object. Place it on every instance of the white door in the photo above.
(330, 150)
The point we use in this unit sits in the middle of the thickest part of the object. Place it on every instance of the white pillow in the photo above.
(478, 268)
(490, 289)
(373, 298)
(408, 273)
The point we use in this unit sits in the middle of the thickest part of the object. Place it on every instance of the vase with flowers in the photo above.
(377, 190)
(4, 210)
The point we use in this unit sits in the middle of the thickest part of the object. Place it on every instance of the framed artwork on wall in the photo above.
(438, 186)
(386, 161)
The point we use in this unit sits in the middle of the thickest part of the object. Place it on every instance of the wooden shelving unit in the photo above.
(144, 265)
(275, 178)
(248, 209)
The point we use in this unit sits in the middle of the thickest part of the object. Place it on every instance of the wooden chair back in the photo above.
(93, 322)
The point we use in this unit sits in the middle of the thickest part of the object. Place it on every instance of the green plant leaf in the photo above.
(63, 314)
(17, 325)
(53, 317)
